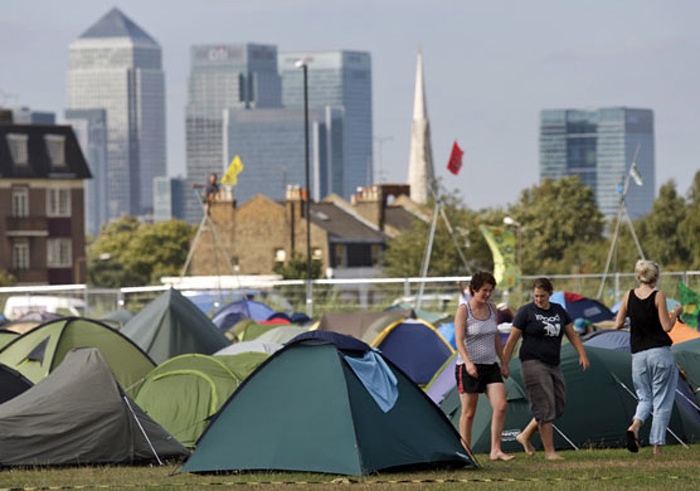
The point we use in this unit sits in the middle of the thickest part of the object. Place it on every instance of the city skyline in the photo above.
(489, 71)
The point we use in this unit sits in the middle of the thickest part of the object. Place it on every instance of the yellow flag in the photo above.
(230, 177)
(502, 244)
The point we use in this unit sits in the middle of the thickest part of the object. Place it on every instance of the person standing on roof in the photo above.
(477, 370)
(211, 191)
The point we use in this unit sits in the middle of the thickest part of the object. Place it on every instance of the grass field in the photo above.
(677, 469)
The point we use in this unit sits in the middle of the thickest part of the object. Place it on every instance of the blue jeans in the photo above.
(655, 377)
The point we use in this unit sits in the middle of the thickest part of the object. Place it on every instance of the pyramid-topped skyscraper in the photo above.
(116, 67)
(420, 169)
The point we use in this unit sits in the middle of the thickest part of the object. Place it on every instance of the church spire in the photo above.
(420, 168)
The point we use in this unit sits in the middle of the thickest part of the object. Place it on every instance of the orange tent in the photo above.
(683, 332)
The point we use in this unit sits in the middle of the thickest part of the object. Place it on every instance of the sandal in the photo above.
(632, 443)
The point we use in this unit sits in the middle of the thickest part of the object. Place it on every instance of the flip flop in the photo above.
(632, 443)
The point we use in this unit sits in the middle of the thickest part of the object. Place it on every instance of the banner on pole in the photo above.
(455, 163)
(502, 243)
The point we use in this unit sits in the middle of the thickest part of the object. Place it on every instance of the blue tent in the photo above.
(579, 306)
(608, 339)
(230, 314)
(416, 347)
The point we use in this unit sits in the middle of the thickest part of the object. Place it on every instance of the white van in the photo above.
(18, 305)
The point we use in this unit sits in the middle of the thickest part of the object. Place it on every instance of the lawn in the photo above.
(677, 469)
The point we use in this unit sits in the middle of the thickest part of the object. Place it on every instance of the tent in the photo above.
(579, 306)
(30, 321)
(333, 419)
(607, 387)
(618, 339)
(6, 337)
(230, 314)
(12, 383)
(79, 415)
(357, 323)
(183, 392)
(254, 345)
(687, 356)
(171, 325)
(37, 353)
(416, 347)
(443, 380)
(281, 334)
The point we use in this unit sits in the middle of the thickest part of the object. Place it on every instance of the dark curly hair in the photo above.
(480, 279)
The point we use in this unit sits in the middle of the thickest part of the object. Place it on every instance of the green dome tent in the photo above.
(38, 352)
(307, 409)
(183, 392)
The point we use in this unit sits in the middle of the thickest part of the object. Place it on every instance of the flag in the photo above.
(690, 300)
(634, 174)
(230, 177)
(455, 163)
(502, 243)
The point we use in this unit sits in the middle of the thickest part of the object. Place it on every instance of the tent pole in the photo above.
(143, 432)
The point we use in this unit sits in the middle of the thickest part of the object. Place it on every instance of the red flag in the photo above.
(455, 163)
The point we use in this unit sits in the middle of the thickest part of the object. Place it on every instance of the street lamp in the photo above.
(303, 64)
(509, 221)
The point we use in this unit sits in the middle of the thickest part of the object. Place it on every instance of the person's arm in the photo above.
(576, 342)
(505, 371)
(460, 333)
(667, 321)
(622, 313)
(511, 342)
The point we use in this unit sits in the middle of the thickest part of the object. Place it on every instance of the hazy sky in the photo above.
(490, 67)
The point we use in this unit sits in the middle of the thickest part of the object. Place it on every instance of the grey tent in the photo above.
(80, 415)
(172, 325)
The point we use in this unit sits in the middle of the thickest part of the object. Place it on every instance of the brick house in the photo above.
(42, 225)
(348, 238)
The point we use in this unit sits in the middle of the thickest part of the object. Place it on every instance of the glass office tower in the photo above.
(340, 80)
(223, 76)
(116, 66)
(599, 146)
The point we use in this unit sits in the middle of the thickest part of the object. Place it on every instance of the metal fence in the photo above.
(335, 295)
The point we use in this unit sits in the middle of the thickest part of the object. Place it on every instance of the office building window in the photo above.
(20, 201)
(18, 148)
(56, 148)
(59, 253)
(20, 254)
(58, 202)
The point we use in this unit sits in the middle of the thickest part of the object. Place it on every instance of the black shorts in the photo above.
(487, 374)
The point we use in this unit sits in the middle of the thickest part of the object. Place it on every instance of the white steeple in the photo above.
(420, 168)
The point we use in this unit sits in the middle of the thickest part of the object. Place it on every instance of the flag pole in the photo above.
(622, 214)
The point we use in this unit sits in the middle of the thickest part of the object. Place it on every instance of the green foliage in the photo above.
(128, 253)
(295, 268)
(555, 216)
(6, 279)
(658, 231)
(689, 227)
(456, 230)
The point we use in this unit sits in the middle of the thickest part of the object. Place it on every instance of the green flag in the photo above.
(502, 244)
(691, 305)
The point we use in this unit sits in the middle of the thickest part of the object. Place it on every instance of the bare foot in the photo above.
(501, 456)
(527, 446)
(553, 456)
(657, 450)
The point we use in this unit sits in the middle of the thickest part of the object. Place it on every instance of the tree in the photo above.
(295, 268)
(404, 254)
(6, 279)
(560, 225)
(689, 227)
(128, 253)
(658, 231)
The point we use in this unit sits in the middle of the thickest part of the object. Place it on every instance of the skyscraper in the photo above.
(90, 128)
(116, 66)
(223, 76)
(340, 80)
(599, 146)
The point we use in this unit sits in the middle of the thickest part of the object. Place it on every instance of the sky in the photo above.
(490, 68)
